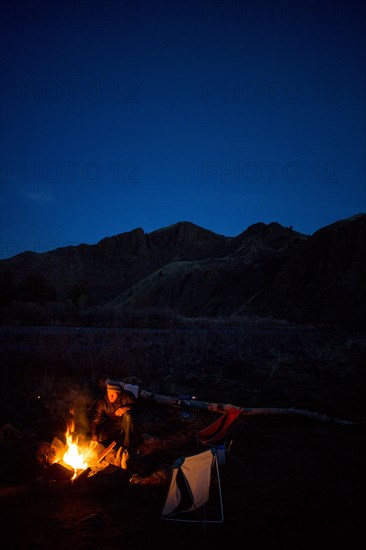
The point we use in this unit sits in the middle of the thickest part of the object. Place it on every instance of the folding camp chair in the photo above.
(220, 433)
(194, 493)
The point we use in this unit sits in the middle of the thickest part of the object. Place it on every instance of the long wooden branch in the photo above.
(223, 407)
(106, 451)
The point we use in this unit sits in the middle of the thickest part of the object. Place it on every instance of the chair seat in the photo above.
(190, 490)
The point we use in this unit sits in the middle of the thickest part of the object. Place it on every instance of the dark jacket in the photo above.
(105, 410)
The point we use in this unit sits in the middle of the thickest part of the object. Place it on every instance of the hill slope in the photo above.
(266, 270)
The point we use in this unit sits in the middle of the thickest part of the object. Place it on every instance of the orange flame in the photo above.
(74, 456)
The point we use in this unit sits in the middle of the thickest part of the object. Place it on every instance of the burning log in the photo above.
(89, 469)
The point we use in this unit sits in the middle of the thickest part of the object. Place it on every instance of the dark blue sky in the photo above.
(117, 115)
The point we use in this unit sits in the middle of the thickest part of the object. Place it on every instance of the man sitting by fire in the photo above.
(112, 416)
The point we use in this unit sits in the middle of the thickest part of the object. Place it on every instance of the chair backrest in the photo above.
(219, 432)
(190, 490)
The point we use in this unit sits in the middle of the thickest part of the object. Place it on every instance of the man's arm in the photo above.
(127, 402)
(121, 410)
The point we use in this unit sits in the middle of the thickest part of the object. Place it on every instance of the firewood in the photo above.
(106, 451)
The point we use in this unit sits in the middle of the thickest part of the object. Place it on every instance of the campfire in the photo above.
(77, 456)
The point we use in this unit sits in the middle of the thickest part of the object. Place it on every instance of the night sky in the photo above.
(117, 115)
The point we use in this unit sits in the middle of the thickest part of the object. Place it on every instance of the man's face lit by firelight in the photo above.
(112, 395)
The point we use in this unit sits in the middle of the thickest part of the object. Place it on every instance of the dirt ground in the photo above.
(288, 482)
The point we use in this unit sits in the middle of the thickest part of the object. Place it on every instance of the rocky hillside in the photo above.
(324, 279)
(266, 270)
(221, 284)
(115, 263)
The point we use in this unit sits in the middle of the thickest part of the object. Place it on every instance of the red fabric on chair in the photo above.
(218, 432)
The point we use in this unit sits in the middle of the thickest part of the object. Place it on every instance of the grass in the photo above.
(254, 365)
